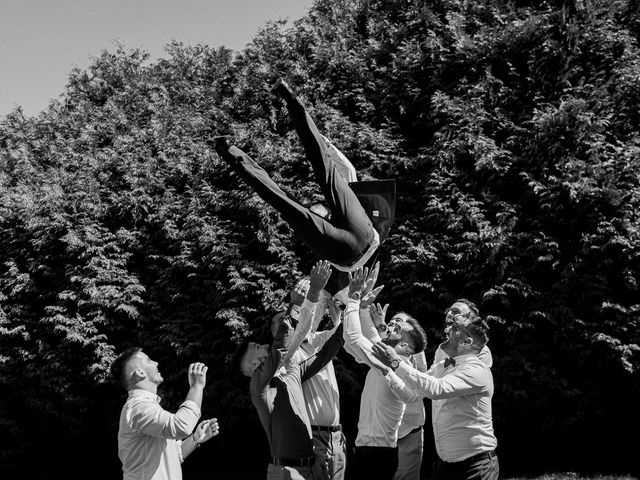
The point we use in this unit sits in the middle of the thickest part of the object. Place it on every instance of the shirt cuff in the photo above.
(191, 405)
(353, 304)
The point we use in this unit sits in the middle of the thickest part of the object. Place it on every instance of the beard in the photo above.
(391, 341)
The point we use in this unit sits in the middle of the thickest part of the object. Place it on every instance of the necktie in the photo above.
(449, 361)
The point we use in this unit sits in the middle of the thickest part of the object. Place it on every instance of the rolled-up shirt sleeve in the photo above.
(150, 418)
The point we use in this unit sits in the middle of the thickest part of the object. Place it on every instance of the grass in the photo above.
(574, 476)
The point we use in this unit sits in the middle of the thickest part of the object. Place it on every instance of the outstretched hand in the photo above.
(384, 353)
(378, 313)
(197, 375)
(319, 276)
(206, 430)
(357, 281)
(299, 291)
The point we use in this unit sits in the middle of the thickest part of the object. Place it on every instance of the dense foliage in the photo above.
(512, 129)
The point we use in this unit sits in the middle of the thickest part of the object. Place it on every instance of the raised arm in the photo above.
(318, 278)
(150, 418)
(328, 351)
(470, 378)
(355, 342)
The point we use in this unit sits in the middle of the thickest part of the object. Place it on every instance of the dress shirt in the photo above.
(414, 415)
(321, 390)
(461, 407)
(382, 403)
(484, 355)
(149, 438)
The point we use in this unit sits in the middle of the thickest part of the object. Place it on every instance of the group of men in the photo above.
(295, 392)
(292, 380)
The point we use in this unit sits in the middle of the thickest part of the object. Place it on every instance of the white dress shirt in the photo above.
(382, 403)
(321, 395)
(414, 415)
(149, 438)
(461, 408)
(484, 355)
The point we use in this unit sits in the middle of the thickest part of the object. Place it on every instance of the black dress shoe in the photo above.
(219, 143)
(281, 89)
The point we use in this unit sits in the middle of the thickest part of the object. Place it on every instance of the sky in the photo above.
(42, 40)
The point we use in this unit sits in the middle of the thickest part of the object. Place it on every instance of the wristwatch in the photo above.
(354, 296)
(395, 363)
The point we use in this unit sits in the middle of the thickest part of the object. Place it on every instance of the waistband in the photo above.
(364, 255)
(476, 458)
(330, 428)
(415, 430)
(293, 462)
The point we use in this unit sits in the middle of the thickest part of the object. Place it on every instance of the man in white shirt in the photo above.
(461, 387)
(410, 432)
(382, 404)
(152, 443)
(461, 308)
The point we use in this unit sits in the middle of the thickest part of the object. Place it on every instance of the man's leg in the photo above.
(338, 456)
(321, 449)
(346, 210)
(485, 469)
(327, 241)
(409, 456)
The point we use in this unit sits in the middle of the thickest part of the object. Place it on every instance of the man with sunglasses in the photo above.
(461, 308)
(460, 387)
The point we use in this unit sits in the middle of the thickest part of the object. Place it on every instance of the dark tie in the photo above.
(449, 361)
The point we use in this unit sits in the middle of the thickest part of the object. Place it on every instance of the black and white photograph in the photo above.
(320, 239)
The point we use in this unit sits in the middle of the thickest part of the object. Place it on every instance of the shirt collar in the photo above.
(139, 393)
(464, 358)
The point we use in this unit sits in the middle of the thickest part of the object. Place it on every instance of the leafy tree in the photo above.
(512, 130)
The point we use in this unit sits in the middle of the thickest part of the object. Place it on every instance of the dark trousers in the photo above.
(343, 238)
(375, 462)
(480, 467)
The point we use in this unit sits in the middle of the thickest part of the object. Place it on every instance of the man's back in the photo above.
(281, 408)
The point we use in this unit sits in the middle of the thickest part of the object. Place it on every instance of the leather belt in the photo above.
(476, 458)
(293, 462)
(330, 428)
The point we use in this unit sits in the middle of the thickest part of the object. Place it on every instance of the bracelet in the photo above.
(195, 444)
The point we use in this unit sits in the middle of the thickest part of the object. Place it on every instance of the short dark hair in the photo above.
(239, 354)
(416, 334)
(480, 330)
(119, 366)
